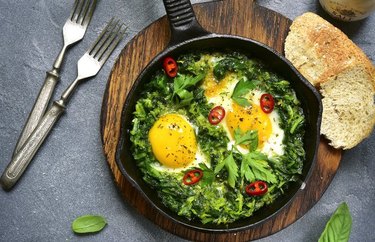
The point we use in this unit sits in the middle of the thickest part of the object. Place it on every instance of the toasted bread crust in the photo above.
(345, 76)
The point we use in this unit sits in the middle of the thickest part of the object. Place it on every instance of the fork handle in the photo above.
(39, 108)
(22, 159)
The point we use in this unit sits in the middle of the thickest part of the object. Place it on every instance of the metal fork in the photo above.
(73, 31)
(88, 66)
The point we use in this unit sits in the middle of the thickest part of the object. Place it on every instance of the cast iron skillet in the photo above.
(188, 35)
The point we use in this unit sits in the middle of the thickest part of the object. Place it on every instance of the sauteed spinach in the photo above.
(220, 196)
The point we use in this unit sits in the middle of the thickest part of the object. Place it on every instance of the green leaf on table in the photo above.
(339, 225)
(88, 224)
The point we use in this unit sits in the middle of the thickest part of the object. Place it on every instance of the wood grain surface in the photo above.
(238, 17)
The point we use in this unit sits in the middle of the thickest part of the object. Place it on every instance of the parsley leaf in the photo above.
(254, 166)
(231, 167)
(208, 175)
(242, 87)
(249, 138)
(181, 85)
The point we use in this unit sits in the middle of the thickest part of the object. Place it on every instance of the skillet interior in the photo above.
(310, 102)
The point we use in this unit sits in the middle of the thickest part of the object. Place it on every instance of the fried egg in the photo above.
(173, 138)
(174, 143)
(270, 135)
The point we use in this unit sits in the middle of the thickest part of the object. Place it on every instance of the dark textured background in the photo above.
(69, 176)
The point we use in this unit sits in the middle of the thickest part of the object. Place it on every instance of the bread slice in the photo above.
(348, 107)
(328, 59)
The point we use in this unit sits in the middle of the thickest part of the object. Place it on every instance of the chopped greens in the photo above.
(235, 62)
(219, 197)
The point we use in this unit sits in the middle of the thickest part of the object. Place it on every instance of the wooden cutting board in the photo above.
(237, 17)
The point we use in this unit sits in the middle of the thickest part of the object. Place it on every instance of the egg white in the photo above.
(199, 158)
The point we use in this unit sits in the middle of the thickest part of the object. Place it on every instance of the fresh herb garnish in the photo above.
(232, 168)
(339, 225)
(248, 138)
(242, 87)
(254, 166)
(181, 85)
(209, 175)
(88, 224)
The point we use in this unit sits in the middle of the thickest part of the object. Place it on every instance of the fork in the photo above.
(88, 66)
(73, 31)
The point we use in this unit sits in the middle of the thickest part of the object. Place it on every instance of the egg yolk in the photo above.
(249, 118)
(213, 88)
(173, 141)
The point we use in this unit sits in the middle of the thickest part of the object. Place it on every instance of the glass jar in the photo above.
(348, 10)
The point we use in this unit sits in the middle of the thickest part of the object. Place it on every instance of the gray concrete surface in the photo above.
(69, 177)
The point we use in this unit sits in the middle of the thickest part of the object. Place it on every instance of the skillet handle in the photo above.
(182, 21)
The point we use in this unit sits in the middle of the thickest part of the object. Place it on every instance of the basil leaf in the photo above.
(241, 101)
(88, 224)
(242, 87)
(339, 225)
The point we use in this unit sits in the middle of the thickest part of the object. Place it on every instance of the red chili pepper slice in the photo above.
(267, 103)
(256, 188)
(170, 66)
(216, 115)
(192, 177)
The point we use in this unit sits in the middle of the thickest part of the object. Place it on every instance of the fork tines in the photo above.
(82, 11)
(107, 40)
